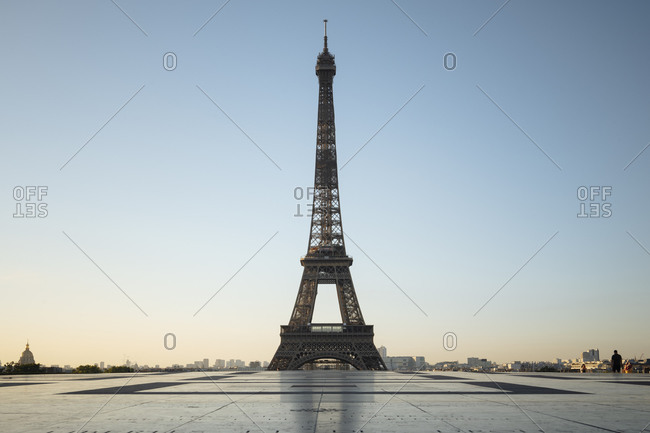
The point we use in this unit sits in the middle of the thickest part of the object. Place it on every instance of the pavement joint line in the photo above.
(429, 413)
(389, 400)
(543, 413)
(199, 417)
(318, 410)
(515, 403)
(228, 395)
(107, 401)
(619, 407)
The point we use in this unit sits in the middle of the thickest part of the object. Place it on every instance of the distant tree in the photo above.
(15, 368)
(120, 369)
(547, 369)
(7, 368)
(86, 369)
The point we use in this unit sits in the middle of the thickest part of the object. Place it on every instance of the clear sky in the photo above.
(473, 184)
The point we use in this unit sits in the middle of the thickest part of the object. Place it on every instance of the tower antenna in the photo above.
(325, 47)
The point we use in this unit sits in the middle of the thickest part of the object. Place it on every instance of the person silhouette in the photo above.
(616, 362)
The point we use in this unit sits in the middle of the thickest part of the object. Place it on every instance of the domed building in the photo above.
(27, 357)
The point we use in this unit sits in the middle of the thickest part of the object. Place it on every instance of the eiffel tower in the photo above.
(326, 262)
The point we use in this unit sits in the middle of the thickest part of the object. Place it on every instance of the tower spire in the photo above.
(325, 38)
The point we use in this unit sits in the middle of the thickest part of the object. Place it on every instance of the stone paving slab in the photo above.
(324, 401)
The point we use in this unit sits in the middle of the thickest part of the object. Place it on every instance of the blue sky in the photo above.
(450, 198)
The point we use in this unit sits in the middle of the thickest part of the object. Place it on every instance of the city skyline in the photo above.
(591, 355)
(493, 175)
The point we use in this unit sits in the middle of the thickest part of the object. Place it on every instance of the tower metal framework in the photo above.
(326, 261)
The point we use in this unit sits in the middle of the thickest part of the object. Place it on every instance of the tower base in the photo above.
(352, 344)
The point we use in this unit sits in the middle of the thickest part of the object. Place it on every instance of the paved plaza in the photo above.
(325, 401)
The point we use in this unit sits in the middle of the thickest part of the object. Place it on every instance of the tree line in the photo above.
(16, 368)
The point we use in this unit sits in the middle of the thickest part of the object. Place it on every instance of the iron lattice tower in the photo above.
(326, 262)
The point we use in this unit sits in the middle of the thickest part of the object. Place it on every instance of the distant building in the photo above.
(383, 352)
(400, 362)
(479, 363)
(255, 364)
(219, 363)
(27, 357)
(420, 362)
(53, 369)
(206, 363)
(591, 366)
(591, 355)
(446, 365)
